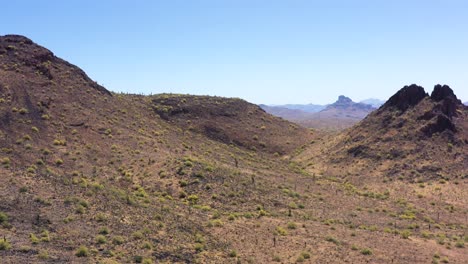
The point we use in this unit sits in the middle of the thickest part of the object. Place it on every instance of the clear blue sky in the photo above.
(263, 51)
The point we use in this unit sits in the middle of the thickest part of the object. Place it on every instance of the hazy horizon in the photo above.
(266, 52)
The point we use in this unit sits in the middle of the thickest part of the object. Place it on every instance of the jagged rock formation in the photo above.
(407, 129)
(407, 97)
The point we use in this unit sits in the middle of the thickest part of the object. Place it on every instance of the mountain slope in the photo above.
(82, 167)
(232, 121)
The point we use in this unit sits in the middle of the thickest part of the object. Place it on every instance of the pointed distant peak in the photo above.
(406, 97)
(441, 92)
(344, 99)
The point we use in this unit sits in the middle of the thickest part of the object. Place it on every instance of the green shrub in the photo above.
(215, 223)
(4, 244)
(366, 251)
(34, 239)
(147, 261)
(118, 240)
(100, 239)
(305, 255)
(104, 231)
(332, 239)
(460, 244)
(45, 237)
(405, 234)
(82, 251)
(137, 235)
(233, 254)
(3, 218)
(292, 225)
(281, 231)
(43, 254)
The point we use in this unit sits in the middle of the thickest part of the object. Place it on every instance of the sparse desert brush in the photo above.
(3, 218)
(460, 244)
(147, 245)
(276, 258)
(333, 240)
(60, 142)
(4, 244)
(233, 254)
(118, 240)
(137, 235)
(43, 255)
(366, 251)
(80, 209)
(292, 225)
(281, 231)
(5, 161)
(193, 199)
(100, 239)
(34, 239)
(104, 230)
(405, 234)
(215, 223)
(82, 251)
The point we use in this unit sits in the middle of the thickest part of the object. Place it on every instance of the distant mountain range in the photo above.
(374, 102)
(314, 108)
(309, 108)
(341, 114)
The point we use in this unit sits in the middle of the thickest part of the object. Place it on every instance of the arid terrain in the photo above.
(92, 176)
(342, 114)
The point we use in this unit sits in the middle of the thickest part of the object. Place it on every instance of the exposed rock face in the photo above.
(406, 97)
(440, 124)
(441, 92)
(448, 101)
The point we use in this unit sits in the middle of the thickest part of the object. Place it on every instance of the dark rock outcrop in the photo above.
(446, 99)
(442, 92)
(406, 97)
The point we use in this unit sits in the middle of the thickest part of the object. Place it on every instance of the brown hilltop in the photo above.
(231, 121)
(19, 52)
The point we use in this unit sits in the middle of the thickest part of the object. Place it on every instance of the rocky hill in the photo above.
(413, 135)
(231, 121)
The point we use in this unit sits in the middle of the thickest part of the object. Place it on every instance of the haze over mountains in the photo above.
(336, 116)
(92, 176)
